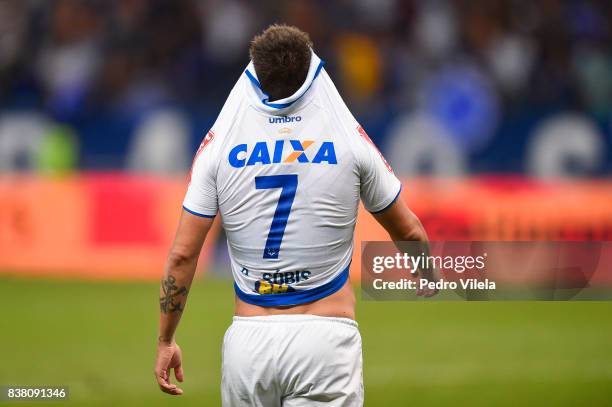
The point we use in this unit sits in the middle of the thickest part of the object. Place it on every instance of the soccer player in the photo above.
(285, 165)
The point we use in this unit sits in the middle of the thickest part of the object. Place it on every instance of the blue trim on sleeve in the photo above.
(390, 203)
(201, 215)
(265, 100)
(295, 297)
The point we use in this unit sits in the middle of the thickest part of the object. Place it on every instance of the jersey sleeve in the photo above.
(201, 196)
(379, 185)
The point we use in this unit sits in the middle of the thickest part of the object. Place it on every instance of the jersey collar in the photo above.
(316, 64)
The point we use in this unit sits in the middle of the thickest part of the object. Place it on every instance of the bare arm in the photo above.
(179, 271)
(175, 285)
(403, 226)
(401, 223)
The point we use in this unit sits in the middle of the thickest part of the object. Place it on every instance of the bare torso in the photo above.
(339, 304)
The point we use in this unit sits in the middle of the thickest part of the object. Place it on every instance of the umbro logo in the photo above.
(284, 119)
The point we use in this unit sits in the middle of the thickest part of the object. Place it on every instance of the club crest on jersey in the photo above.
(283, 152)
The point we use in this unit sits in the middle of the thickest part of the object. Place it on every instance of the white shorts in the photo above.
(292, 360)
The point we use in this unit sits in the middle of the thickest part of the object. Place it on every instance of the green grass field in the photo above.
(99, 339)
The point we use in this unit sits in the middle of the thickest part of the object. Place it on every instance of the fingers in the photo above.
(178, 373)
(163, 380)
(165, 361)
(177, 363)
(430, 293)
(426, 292)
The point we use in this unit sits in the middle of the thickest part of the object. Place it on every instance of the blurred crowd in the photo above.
(471, 83)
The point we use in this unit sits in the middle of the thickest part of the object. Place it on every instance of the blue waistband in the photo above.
(295, 297)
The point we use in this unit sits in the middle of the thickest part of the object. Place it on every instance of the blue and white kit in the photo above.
(286, 177)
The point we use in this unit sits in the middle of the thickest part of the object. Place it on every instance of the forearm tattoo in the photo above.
(170, 301)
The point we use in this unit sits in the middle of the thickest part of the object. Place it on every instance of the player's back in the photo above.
(286, 178)
(286, 174)
(288, 197)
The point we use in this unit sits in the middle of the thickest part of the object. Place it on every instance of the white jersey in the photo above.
(286, 177)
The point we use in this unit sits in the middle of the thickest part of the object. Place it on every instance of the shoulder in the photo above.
(231, 109)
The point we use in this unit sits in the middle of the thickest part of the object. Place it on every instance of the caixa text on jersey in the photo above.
(283, 152)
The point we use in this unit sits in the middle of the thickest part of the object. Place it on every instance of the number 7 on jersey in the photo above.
(288, 184)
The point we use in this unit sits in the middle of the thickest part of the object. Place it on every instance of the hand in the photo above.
(168, 358)
(427, 292)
